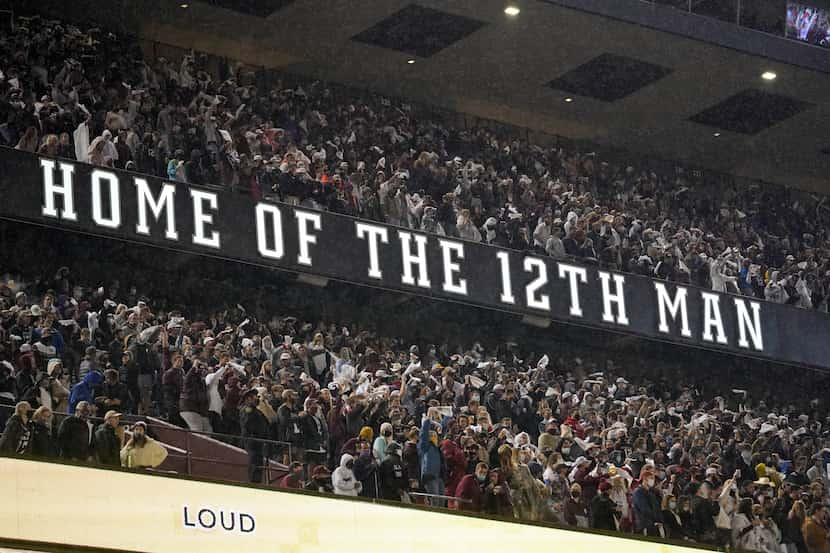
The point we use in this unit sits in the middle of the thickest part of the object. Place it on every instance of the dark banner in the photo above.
(206, 220)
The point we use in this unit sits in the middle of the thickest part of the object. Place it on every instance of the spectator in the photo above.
(112, 393)
(18, 431)
(315, 434)
(58, 390)
(107, 443)
(84, 391)
(603, 509)
(44, 441)
(320, 481)
(472, 490)
(648, 519)
(816, 529)
(172, 386)
(394, 481)
(254, 431)
(672, 522)
(343, 479)
(193, 401)
(792, 538)
(294, 478)
(431, 460)
(141, 451)
(575, 510)
(76, 434)
(385, 438)
(704, 511)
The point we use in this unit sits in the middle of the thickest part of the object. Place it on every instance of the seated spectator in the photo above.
(294, 478)
(343, 479)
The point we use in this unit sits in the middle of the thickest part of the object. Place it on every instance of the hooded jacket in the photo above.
(456, 465)
(343, 479)
(85, 390)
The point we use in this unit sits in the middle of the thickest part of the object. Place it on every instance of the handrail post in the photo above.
(267, 460)
(189, 455)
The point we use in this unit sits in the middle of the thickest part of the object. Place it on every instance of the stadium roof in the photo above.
(629, 85)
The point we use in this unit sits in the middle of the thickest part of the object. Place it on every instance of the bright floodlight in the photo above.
(512, 10)
(768, 75)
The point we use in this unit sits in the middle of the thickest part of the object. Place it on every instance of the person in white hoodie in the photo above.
(343, 479)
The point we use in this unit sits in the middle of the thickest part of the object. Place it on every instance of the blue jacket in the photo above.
(85, 389)
(428, 453)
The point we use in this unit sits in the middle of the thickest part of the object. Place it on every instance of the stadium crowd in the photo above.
(489, 429)
(89, 95)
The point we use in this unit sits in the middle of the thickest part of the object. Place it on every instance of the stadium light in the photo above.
(717, 134)
(769, 75)
(569, 99)
(512, 11)
(410, 61)
(184, 6)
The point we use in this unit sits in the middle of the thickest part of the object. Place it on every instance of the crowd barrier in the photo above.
(171, 514)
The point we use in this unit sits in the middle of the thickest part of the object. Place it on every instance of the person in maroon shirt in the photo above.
(471, 490)
(294, 478)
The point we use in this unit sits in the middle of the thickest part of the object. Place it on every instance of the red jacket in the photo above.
(287, 482)
(469, 489)
(456, 465)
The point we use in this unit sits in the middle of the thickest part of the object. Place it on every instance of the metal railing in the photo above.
(276, 454)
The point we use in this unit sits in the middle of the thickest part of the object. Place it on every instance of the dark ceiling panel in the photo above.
(419, 31)
(609, 77)
(259, 8)
(750, 111)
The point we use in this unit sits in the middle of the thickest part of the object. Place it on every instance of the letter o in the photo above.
(212, 518)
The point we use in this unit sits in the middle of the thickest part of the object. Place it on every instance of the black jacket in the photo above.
(289, 425)
(107, 446)
(703, 518)
(674, 528)
(15, 431)
(602, 512)
(117, 391)
(393, 478)
(44, 441)
(74, 439)
(366, 470)
(313, 433)
(254, 425)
